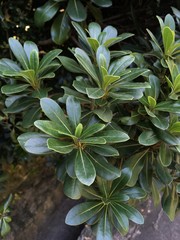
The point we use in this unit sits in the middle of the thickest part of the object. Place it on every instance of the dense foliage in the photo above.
(114, 123)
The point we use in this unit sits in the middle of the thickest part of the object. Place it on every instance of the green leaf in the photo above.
(169, 106)
(23, 138)
(103, 3)
(108, 33)
(5, 228)
(163, 173)
(20, 105)
(175, 128)
(86, 63)
(71, 65)
(82, 212)
(76, 10)
(121, 182)
(133, 214)
(103, 168)
(109, 42)
(135, 192)
(37, 145)
(54, 112)
(49, 57)
(93, 140)
(120, 217)
(49, 127)
(73, 109)
(9, 65)
(94, 30)
(60, 29)
(117, 66)
(19, 52)
(30, 46)
(167, 137)
(135, 163)
(160, 122)
(78, 130)
(72, 188)
(114, 136)
(30, 116)
(152, 102)
(60, 146)
(155, 87)
(104, 114)
(103, 57)
(84, 168)
(106, 150)
(104, 230)
(92, 129)
(95, 93)
(155, 193)
(34, 60)
(170, 203)
(148, 138)
(168, 39)
(14, 88)
(81, 33)
(165, 155)
(45, 12)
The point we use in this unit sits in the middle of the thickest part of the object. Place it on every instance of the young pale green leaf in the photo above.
(93, 43)
(34, 60)
(72, 187)
(71, 65)
(45, 12)
(49, 57)
(132, 213)
(51, 128)
(114, 136)
(120, 217)
(107, 151)
(104, 229)
(152, 102)
(104, 114)
(94, 30)
(103, 168)
(73, 109)
(165, 155)
(60, 146)
(76, 10)
(54, 112)
(103, 3)
(148, 138)
(168, 39)
(37, 145)
(5, 227)
(84, 168)
(92, 129)
(60, 29)
(119, 65)
(83, 212)
(19, 52)
(78, 130)
(121, 182)
(175, 128)
(103, 57)
(177, 83)
(29, 47)
(14, 88)
(95, 93)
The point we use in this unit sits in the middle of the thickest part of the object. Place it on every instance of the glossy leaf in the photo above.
(168, 38)
(45, 12)
(117, 66)
(76, 10)
(163, 173)
(94, 30)
(54, 112)
(72, 188)
(15, 88)
(51, 128)
(30, 46)
(104, 230)
(82, 212)
(92, 129)
(165, 155)
(95, 93)
(135, 192)
(103, 3)
(49, 57)
(60, 146)
(84, 168)
(71, 65)
(148, 138)
(107, 151)
(31, 115)
(120, 217)
(37, 145)
(60, 29)
(73, 109)
(103, 168)
(104, 114)
(114, 136)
